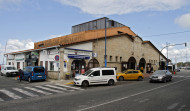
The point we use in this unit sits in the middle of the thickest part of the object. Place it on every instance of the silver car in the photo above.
(161, 75)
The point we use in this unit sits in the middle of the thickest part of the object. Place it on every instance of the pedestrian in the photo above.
(141, 69)
(21, 74)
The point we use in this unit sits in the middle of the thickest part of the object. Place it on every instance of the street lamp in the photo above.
(167, 45)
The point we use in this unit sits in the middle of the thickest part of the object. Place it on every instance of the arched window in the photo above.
(93, 63)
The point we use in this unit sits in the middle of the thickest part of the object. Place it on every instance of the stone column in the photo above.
(61, 63)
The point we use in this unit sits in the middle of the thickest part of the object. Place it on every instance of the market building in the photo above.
(73, 54)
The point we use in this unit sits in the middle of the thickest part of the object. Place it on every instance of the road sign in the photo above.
(57, 57)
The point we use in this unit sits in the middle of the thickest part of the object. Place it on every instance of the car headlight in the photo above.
(77, 79)
(160, 77)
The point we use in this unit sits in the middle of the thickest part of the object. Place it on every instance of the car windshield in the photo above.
(38, 69)
(11, 68)
(87, 72)
(159, 72)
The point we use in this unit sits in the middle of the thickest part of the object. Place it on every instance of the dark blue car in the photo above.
(32, 73)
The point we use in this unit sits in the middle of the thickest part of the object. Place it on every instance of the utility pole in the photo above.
(105, 42)
(167, 56)
(4, 52)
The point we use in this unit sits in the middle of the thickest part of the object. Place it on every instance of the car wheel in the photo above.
(121, 78)
(29, 80)
(150, 81)
(164, 80)
(1, 73)
(140, 79)
(111, 82)
(85, 84)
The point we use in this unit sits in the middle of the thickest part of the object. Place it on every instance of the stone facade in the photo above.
(120, 48)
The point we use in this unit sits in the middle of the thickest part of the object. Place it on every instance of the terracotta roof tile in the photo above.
(84, 36)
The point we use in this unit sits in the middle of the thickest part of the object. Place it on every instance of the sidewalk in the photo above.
(64, 82)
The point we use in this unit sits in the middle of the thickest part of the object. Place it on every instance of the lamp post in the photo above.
(167, 45)
(105, 42)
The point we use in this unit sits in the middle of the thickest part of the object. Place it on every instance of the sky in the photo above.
(23, 22)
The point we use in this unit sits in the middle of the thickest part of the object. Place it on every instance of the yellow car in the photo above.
(130, 75)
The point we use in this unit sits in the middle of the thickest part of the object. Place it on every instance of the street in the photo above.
(124, 96)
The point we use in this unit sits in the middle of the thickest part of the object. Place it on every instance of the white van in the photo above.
(96, 76)
(8, 70)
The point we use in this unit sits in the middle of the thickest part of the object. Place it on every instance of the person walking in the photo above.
(21, 74)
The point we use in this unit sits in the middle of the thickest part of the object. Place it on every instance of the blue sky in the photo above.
(23, 22)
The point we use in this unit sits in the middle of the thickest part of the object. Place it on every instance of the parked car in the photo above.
(130, 75)
(161, 75)
(96, 76)
(8, 70)
(32, 73)
(177, 70)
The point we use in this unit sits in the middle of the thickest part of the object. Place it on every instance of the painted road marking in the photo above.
(37, 90)
(10, 94)
(181, 108)
(144, 100)
(1, 99)
(116, 100)
(25, 92)
(172, 106)
(56, 87)
(48, 89)
(69, 87)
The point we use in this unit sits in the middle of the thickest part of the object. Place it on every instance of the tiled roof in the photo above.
(84, 36)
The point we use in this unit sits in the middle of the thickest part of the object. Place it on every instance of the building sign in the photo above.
(10, 57)
(78, 52)
(19, 57)
(34, 53)
(78, 56)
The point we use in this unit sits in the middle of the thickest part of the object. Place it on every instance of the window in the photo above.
(129, 72)
(38, 69)
(116, 58)
(9, 63)
(110, 58)
(120, 59)
(135, 71)
(51, 66)
(41, 45)
(107, 72)
(96, 73)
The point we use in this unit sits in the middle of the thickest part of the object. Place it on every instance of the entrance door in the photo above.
(124, 66)
(142, 63)
(78, 67)
(131, 63)
(148, 67)
(46, 67)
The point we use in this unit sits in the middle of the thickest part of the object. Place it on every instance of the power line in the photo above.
(167, 34)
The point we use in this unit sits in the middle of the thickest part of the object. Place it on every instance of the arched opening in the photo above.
(162, 65)
(142, 64)
(131, 63)
(93, 63)
(78, 67)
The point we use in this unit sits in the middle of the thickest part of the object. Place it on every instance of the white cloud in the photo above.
(7, 3)
(178, 55)
(14, 45)
(183, 21)
(54, 36)
(110, 7)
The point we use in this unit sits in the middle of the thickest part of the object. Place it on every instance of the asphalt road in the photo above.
(124, 96)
